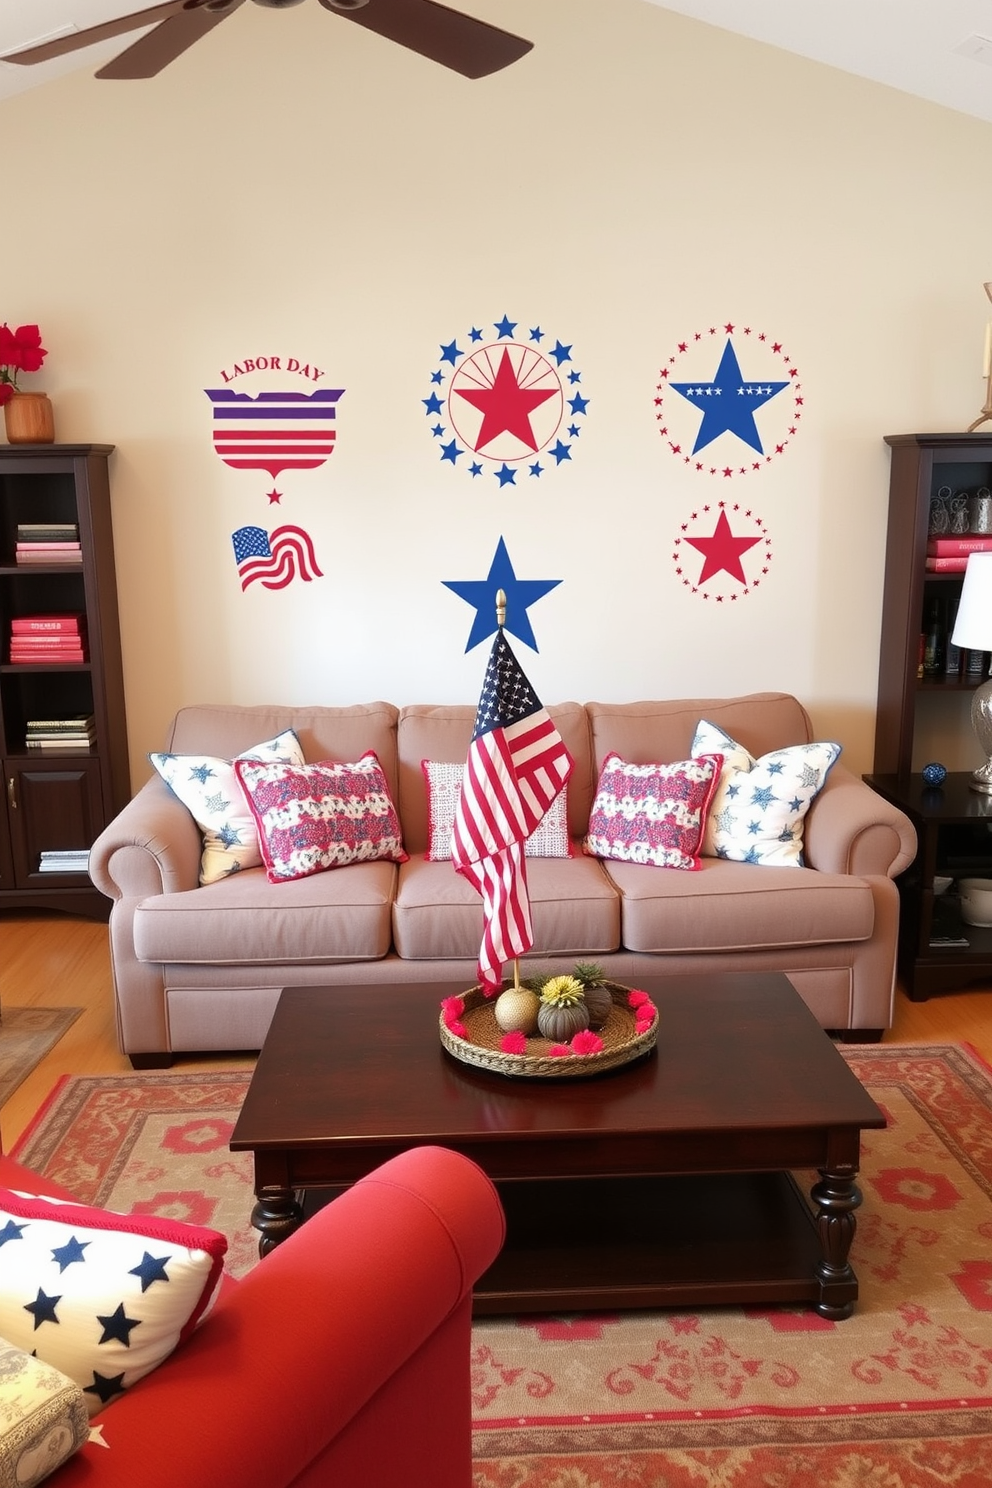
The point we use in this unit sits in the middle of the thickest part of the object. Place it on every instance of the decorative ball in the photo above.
(562, 1021)
(600, 1005)
(934, 773)
(516, 1010)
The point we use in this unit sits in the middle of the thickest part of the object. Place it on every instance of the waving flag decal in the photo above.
(274, 431)
(274, 559)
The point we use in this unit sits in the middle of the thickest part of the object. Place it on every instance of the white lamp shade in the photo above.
(973, 625)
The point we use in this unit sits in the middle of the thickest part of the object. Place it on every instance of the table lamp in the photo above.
(973, 630)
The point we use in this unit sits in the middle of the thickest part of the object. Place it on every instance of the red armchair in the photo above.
(342, 1358)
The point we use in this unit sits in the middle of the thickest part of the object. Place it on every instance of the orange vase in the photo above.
(29, 419)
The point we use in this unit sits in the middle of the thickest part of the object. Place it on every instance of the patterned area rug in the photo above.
(898, 1396)
(26, 1036)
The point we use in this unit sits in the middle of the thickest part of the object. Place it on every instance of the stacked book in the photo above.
(48, 639)
(950, 554)
(47, 542)
(76, 733)
(69, 860)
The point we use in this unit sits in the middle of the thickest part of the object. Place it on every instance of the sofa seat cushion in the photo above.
(438, 914)
(340, 916)
(739, 907)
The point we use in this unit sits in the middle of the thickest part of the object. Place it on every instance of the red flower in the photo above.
(559, 1051)
(452, 1008)
(587, 1042)
(6, 392)
(458, 1029)
(20, 351)
(637, 998)
(513, 1043)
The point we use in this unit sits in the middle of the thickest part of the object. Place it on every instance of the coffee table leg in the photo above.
(836, 1197)
(277, 1213)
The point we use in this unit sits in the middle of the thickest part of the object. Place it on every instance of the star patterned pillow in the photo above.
(759, 805)
(208, 788)
(103, 1297)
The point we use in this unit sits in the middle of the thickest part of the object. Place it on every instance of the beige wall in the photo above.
(294, 185)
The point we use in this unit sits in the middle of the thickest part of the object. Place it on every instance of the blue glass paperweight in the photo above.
(934, 773)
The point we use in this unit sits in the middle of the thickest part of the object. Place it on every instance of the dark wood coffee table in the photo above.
(667, 1182)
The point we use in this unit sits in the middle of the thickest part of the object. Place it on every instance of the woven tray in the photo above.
(621, 1042)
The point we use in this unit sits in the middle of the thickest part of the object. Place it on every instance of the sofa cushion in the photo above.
(103, 1297)
(314, 817)
(758, 809)
(443, 782)
(208, 787)
(247, 920)
(727, 907)
(438, 914)
(652, 814)
(43, 1418)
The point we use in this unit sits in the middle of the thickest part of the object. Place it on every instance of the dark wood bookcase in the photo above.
(57, 800)
(937, 951)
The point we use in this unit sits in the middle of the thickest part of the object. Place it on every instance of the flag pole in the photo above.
(501, 621)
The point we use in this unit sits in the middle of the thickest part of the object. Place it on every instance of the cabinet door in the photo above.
(51, 806)
(6, 860)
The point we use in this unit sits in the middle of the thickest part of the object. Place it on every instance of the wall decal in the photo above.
(274, 558)
(728, 400)
(512, 404)
(722, 552)
(520, 595)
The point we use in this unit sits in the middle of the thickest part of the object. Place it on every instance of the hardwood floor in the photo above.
(50, 960)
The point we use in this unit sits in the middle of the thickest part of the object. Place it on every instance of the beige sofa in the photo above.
(200, 968)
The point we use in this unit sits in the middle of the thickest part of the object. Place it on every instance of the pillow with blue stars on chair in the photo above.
(759, 804)
(103, 1297)
(208, 788)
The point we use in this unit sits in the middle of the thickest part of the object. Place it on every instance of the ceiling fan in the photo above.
(469, 46)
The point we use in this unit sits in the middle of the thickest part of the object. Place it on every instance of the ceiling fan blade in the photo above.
(469, 46)
(47, 50)
(150, 54)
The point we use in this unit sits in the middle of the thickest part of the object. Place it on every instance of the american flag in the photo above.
(274, 558)
(517, 763)
(274, 431)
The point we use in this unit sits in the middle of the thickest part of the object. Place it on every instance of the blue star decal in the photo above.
(10, 1231)
(504, 327)
(437, 377)
(151, 1269)
(575, 376)
(475, 468)
(451, 352)
(475, 334)
(728, 402)
(560, 452)
(536, 333)
(574, 431)
(105, 1386)
(433, 404)
(437, 430)
(561, 353)
(451, 451)
(537, 468)
(520, 595)
(506, 475)
(69, 1253)
(578, 404)
(42, 1309)
(117, 1327)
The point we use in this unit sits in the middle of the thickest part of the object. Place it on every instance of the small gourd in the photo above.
(563, 1012)
(599, 1000)
(516, 1010)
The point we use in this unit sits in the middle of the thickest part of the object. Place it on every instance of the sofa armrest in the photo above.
(851, 829)
(370, 1300)
(153, 846)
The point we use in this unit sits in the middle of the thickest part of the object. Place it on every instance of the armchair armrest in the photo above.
(153, 846)
(852, 829)
(346, 1344)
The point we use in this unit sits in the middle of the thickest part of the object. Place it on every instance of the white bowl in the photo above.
(976, 900)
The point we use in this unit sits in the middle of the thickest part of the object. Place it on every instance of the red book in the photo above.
(46, 547)
(74, 623)
(953, 547)
(947, 565)
(50, 658)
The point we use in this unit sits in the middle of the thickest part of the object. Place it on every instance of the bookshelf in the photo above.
(63, 732)
(924, 718)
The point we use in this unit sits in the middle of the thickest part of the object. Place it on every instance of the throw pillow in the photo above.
(312, 817)
(549, 838)
(103, 1297)
(208, 788)
(759, 806)
(652, 814)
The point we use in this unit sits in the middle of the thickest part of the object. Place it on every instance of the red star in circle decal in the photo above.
(722, 552)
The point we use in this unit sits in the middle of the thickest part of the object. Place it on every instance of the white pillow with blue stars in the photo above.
(759, 804)
(103, 1297)
(208, 788)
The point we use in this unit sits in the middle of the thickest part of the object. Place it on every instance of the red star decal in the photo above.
(722, 551)
(274, 496)
(506, 406)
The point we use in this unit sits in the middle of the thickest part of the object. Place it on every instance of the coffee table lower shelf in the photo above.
(595, 1245)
